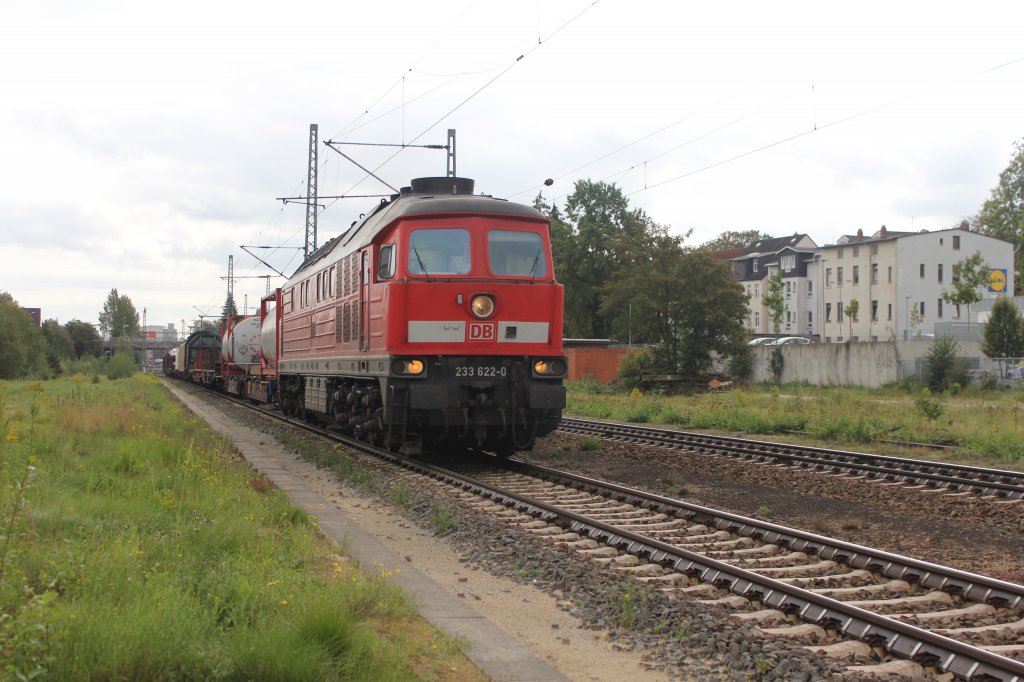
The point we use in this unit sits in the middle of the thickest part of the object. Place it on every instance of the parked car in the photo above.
(789, 340)
(761, 341)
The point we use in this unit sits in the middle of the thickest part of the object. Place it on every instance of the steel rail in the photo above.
(997, 482)
(901, 639)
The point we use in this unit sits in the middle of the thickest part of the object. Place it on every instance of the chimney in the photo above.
(965, 226)
(881, 233)
(860, 234)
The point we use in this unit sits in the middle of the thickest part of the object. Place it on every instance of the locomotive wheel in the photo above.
(505, 450)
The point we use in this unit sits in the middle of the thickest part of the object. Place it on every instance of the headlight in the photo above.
(482, 306)
(412, 367)
(553, 367)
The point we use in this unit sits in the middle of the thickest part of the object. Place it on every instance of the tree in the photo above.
(852, 309)
(1004, 333)
(943, 365)
(731, 239)
(590, 243)
(916, 319)
(1002, 214)
(58, 344)
(775, 305)
(684, 302)
(84, 339)
(229, 309)
(22, 347)
(119, 317)
(774, 302)
(969, 275)
(205, 324)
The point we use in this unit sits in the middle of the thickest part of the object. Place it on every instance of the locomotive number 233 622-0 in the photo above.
(480, 371)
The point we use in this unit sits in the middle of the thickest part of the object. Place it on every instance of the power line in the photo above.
(482, 87)
(815, 128)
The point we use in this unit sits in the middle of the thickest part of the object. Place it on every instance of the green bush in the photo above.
(634, 365)
(943, 365)
(121, 366)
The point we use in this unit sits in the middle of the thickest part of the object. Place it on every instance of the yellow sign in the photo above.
(997, 280)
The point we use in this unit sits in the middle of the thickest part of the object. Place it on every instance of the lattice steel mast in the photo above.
(311, 181)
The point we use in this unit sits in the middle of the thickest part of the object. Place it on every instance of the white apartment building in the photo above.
(898, 280)
(794, 257)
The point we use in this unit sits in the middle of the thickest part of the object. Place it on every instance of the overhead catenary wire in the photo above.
(482, 87)
(815, 128)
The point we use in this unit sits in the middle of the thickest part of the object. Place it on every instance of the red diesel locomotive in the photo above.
(434, 320)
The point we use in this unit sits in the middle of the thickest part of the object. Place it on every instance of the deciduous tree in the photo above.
(58, 344)
(686, 304)
(84, 338)
(590, 241)
(22, 348)
(118, 317)
(732, 239)
(1002, 215)
(1004, 333)
(969, 276)
(852, 310)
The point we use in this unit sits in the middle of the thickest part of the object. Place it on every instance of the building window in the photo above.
(890, 274)
(920, 309)
(788, 263)
(757, 319)
(839, 276)
(839, 254)
(856, 274)
(874, 311)
(874, 273)
(922, 270)
(890, 313)
(810, 286)
(939, 309)
(757, 291)
(956, 243)
(874, 249)
(755, 265)
(856, 251)
(810, 319)
(828, 277)
(828, 312)
(940, 273)
(839, 312)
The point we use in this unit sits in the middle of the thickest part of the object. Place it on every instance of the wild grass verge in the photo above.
(984, 426)
(135, 545)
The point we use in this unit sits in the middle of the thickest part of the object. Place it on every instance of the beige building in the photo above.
(899, 280)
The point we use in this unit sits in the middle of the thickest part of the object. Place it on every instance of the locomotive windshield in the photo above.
(516, 253)
(439, 252)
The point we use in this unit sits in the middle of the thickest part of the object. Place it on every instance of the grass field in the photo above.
(135, 545)
(984, 427)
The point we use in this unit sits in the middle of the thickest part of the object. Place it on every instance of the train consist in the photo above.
(433, 321)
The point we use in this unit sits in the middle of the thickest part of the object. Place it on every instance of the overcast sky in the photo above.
(140, 145)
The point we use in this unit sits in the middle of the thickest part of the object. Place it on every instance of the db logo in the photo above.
(483, 331)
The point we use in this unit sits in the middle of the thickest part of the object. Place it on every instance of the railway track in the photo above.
(826, 594)
(997, 483)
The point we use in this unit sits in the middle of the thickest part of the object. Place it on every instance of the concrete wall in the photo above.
(870, 364)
